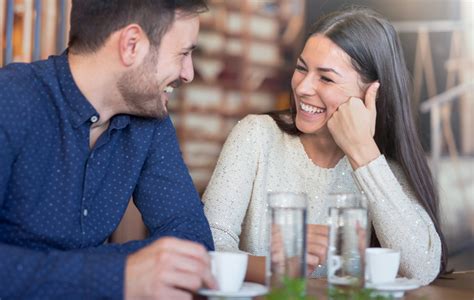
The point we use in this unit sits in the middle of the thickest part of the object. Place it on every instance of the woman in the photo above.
(349, 128)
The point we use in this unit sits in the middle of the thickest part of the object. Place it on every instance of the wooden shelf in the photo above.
(235, 6)
(246, 80)
(207, 27)
(237, 114)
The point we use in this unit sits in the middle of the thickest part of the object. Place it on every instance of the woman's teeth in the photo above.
(311, 109)
(168, 89)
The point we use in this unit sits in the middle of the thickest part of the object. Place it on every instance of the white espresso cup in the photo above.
(229, 269)
(381, 265)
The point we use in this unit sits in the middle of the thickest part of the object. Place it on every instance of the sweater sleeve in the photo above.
(400, 222)
(228, 193)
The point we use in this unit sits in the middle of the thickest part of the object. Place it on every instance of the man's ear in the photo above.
(133, 44)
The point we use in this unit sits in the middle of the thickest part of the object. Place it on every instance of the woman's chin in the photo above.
(308, 127)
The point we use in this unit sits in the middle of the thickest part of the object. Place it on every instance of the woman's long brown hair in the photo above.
(376, 53)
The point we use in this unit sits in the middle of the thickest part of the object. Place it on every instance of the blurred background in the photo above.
(246, 55)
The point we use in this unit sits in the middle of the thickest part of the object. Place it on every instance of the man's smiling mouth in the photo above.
(169, 89)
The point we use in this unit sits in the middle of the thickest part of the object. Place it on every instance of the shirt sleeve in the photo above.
(229, 191)
(26, 274)
(165, 194)
(400, 222)
(6, 161)
(12, 133)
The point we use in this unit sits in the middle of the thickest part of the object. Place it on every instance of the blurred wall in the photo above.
(245, 59)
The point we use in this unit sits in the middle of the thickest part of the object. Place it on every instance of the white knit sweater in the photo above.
(258, 158)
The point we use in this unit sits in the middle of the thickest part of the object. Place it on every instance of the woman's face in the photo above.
(323, 79)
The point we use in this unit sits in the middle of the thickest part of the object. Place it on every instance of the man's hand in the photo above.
(168, 269)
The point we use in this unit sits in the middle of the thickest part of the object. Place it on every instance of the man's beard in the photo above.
(141, 91)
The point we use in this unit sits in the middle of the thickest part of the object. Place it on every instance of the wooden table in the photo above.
(457, 286)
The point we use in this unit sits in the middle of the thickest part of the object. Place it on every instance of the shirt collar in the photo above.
(120, 122)
(82, 110)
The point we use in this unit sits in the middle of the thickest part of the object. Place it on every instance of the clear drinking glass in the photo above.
(287, 261)
(338, 200)
(345, 200)
(347, 243)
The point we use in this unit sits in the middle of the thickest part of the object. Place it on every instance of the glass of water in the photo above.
(347, 244)
(338, 200)
(287, 261)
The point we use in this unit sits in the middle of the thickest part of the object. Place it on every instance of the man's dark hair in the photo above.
(93, 21)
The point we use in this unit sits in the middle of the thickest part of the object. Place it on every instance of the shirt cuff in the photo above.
(104, 275)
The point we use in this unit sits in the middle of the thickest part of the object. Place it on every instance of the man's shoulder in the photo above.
(156, 129)
(19, 82)
(15, 74)
(15, 90)
(154, 123)
(22, 92)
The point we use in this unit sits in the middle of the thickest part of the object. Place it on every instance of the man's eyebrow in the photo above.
(190, 48)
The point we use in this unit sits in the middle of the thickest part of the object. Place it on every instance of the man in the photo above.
(80, 134)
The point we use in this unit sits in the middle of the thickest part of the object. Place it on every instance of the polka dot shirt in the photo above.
(61, 200)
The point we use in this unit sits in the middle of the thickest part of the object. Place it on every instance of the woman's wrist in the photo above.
(362, 154)
(256, 269)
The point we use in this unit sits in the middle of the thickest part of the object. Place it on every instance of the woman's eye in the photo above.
(300, 68)
(326, 79)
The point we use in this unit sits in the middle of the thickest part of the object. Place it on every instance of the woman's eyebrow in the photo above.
(321, 69)
(303, 61)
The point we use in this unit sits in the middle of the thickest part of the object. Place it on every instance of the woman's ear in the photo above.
(133, 44)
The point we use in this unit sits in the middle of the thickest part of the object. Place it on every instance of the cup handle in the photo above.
(213, 266)
(334, 263)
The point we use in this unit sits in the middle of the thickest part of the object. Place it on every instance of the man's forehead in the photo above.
(184, 31)
(190, 48)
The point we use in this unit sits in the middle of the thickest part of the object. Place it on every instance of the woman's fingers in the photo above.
(312, 261)
(318, 229)
(371, 96)
(318, 241)
(370, 100)
(318, 250)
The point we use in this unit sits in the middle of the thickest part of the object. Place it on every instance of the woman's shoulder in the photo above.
(263, 120)
(260, 125)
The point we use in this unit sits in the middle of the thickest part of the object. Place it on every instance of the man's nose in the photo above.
(187, 72)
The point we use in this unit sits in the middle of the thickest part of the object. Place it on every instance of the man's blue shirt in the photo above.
(61, 200)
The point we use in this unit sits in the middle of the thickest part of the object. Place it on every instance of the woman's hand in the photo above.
(317, 238)
(317, 244)
(353, 127)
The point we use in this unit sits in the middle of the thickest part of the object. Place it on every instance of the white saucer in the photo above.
(248, 289)
(395, 288)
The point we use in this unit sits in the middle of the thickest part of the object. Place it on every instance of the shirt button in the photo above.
(94, 119)
(85, 212)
